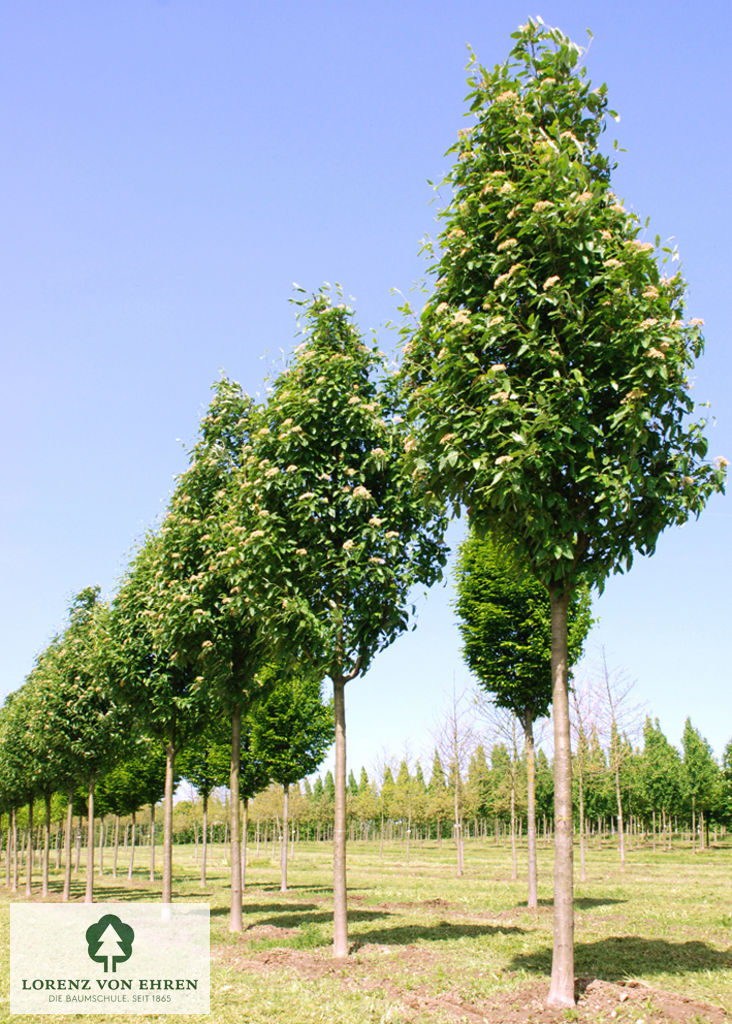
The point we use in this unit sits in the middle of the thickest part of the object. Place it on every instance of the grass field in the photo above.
(428, 947)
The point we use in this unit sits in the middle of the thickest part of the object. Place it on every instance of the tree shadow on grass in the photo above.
(266, 908)
(444, 931)
(622, 956)
(291, 920)
(583, 902)
(106, 893)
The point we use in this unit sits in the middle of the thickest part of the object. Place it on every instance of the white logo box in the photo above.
(129, 958)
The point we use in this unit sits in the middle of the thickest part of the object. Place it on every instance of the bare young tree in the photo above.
(456, 740)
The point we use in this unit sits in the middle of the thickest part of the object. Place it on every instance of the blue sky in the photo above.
(170, 168)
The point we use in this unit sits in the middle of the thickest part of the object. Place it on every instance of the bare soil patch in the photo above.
(598, 1001)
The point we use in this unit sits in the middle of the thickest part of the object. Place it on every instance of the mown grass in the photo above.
(419, 934)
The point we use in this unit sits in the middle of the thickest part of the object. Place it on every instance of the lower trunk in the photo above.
(561, 991)
(29, 852)
(514, 853)
(619, 801)
(340, 912)
(283, 844)
(46, 844)
(116, 845)
(204, 840)
(67, 847)
(235, 915)
(89, 894)
(132, 847)
(152, 842)
(581, 795)
(244, 829)
(168, 824)
(533, 901)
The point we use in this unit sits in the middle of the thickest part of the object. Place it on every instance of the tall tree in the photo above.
(701, 776)
(504, 615)
(216, 593)
(356, 534)
(548, 374)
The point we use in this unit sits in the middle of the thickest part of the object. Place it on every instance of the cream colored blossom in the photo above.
(612, 263)
(292, 468)
(376, 561)
(305, 495)
(350, 471)
(720, 462)
(263, 432)
(541, 205)
(501, 279)
(584, 197)
(272, 472)
(641, 246)
(256, 533)
(446, 437)
(410, 444)
(509, 243)
(391, 534)
(617, 208)
(461, 317)
(499, 396)
(441, 308)
(506, 188)
(650, 321)
(696, 322)
(378, 452)
(375, 521)
(456, 233)
(550, 282)
(497, 367)
(301, 552)
(655, 353)
(361, 492)
(503, 458)
(347, 545)
(354, 400)
(651, 292)
(505, 97)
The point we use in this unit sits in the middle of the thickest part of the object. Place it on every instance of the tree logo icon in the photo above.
(110, 941)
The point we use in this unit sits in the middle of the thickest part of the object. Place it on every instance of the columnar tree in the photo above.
(216, 590)
(548, 374)
(701, 777)
(358, 535)
(505, 623)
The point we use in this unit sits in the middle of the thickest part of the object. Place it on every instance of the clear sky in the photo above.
(170, 168)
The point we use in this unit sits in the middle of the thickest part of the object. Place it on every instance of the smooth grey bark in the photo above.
(561, 990)
(340, 912)
(67, 847)
(235, 915)
(89, 893)
(283, 844)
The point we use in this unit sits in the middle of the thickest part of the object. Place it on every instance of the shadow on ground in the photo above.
(406, 935)
(583, 902)
(619, 957)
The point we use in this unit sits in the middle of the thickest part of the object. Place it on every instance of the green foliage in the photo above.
(549, 372)
(701, 773)
(505, 624)
(292, 728)
(353, 536)
(134, 782)
(661, 769)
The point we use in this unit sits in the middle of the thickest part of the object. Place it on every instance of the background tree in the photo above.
(661, 771)
(548, 374)
(700, 780)
(504, 616)
(356, 535)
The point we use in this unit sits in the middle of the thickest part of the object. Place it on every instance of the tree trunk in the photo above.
(533, 899)
(514, 852)
(561, 991)
(101, 846)
(116, 845)
(619, 801)
(581, 795)
(340, 912)
(168, 823)
(14, 886)
(235, 915)
(29, 852)
(693, 824)
(132, 847)
(283, 844)
(244, 830)
(204, 839)
(152, 842)
(89, 894)
(67, 847)
(9, 850)
(46, 844)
